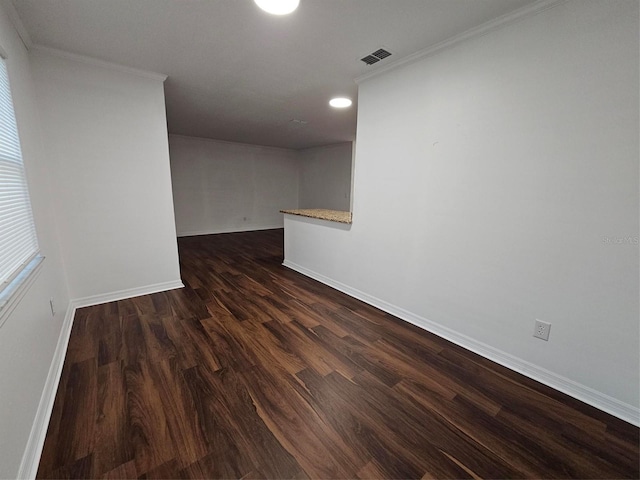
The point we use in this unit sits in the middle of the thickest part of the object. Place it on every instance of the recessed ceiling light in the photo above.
(278, 7)
(340, 102)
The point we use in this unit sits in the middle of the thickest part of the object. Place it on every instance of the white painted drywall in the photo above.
(28, 337)
(493, 183)
(230, 187)
(106, 138)
(325, 177)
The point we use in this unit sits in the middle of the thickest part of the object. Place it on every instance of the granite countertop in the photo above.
(322, 214)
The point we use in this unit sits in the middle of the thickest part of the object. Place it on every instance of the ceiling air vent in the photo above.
(370, 59)
(376, 56)
(381, 54)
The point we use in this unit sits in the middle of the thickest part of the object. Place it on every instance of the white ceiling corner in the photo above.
(17, 23)
(98, 63)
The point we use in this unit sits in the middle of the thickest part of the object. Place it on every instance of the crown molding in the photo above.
(96, 62)
(484, 29)
(17, 23)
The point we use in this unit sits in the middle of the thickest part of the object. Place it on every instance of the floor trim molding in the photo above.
(128, 293)
(248, 228)
(596, 399)
(33, 450)
(35, 443)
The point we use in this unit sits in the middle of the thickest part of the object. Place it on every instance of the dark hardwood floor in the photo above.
(253, 370)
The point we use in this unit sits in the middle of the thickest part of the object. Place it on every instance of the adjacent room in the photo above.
(319, 239)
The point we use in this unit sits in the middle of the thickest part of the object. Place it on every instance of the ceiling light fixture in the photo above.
(340, 102)
(278, 7)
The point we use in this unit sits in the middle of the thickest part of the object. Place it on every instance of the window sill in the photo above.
(10, 297)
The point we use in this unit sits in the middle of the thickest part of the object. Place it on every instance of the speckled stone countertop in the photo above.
(322, 214)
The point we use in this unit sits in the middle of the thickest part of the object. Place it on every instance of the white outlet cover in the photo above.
(542, 330)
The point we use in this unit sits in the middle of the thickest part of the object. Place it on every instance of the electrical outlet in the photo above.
(541, 330)
(53, 308)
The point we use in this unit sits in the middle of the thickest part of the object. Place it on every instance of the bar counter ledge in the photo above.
(323, 214)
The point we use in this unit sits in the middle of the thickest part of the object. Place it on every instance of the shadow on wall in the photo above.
(325, 179)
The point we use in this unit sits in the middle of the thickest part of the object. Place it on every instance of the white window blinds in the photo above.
(18, 242)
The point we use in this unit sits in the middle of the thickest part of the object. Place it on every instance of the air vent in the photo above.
(381, 54)
(376, 56)
(370, 59)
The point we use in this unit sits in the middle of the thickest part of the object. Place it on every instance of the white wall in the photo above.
(28, 337)
(106, 139)
(229, 187)
(325, 177)
(487, 180)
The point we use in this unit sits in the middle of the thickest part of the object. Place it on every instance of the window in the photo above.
(18, 243)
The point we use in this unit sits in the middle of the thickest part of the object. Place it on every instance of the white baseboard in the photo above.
(31, 457)
(596, 399)
(248, 228)
(129, 293)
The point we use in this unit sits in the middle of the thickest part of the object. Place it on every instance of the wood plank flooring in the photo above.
(255, 371)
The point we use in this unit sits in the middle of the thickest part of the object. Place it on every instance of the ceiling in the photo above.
(238, 74)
